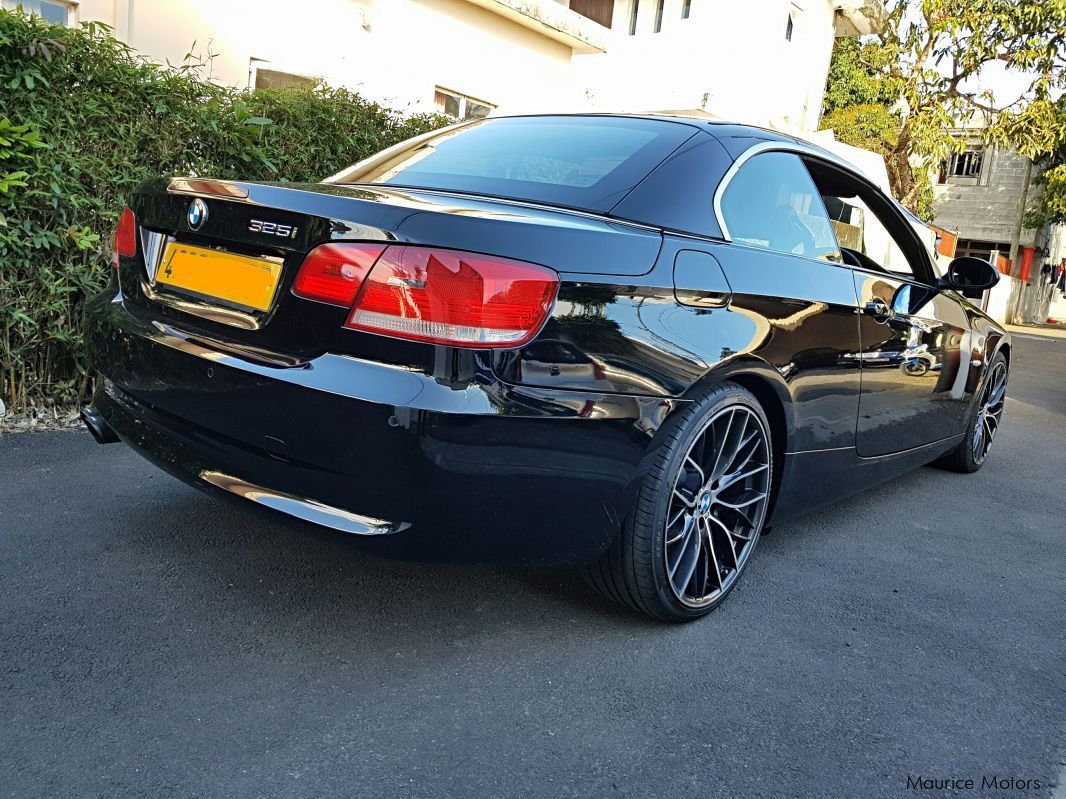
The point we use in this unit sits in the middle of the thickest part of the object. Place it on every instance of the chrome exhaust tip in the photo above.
(98, 426)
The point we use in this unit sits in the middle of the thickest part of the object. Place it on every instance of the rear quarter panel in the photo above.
(790, 323)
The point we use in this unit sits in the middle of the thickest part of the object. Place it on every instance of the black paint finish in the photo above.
(534, 454)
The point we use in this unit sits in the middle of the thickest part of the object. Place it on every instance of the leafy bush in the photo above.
(83, 120)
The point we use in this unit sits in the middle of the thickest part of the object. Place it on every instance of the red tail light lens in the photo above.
(126, 235)
(334, 273)
(457, 298)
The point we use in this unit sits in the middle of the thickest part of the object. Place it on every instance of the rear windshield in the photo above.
(579, 162)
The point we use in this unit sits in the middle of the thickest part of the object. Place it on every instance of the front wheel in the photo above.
(982, 423)
(701, 507)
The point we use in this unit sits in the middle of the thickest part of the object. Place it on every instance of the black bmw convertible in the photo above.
(628, 343)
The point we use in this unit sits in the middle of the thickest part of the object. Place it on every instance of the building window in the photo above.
(54, 11)
(964, 164)
(459, 105)
(634, 11)
(789, 28)
(659, 15)
(980, 249)
(686, 9)
(599, 11)
(264, 78)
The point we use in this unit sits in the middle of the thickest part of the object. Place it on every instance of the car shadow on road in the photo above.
(287, 568)
(283, 570)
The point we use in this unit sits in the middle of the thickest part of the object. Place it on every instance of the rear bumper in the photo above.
(467, 468)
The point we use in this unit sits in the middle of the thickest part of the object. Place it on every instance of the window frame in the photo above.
(739, 165)
(256, 64)
(966, 247)
(670, 136)
(70, 5)
(965, 148)
(464, 101)
(891, 218)
(897, 225)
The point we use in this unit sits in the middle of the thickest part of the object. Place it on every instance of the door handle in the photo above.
(702, 299)
(879, 310)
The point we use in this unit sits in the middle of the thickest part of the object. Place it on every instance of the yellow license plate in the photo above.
(212, 274)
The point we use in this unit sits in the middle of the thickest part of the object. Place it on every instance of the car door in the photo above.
(789, 285)
(911, 333)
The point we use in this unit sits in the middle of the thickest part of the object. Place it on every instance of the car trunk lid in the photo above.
(281, 223)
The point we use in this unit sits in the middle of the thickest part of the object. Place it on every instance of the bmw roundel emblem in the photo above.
(197, 213)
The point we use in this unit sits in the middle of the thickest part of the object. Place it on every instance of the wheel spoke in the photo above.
(691, 461)
(738, 437)
(743, 515)
(677, 517)
(686, 565)
(745, 451)
(730, 480)
(722, 444)
(713, 557)
(990, 431)
(749, 501)
(997, 387)
(689, 498)
(684, 531)
(685, 548)
(730, 544)
(699, 449)
(689, 503)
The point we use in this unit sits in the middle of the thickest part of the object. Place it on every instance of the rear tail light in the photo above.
(125, 236)
(334, 273)
(457, 298)
(425, 294)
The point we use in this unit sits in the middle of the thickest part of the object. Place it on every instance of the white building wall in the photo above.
(731, 60)
(395, 51)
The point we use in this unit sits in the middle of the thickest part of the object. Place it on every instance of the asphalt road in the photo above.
(156, 642)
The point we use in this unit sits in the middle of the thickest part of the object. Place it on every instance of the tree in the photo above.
(861, 107)
(907, 87)
(1050, 204)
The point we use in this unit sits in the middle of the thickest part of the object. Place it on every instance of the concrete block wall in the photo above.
(989, 211)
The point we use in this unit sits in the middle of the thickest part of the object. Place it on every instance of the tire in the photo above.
(702, 478)
(982, 422)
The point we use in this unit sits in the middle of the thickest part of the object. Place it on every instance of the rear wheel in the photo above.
(699, 513)
(983, 422)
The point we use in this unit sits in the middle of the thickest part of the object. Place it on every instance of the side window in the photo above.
(858, 229)
(771, 202)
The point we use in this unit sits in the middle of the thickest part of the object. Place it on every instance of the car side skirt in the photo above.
(811, 480)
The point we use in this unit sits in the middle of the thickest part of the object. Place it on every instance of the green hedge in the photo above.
(83, 120)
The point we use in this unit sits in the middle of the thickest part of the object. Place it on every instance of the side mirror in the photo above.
(970, 276)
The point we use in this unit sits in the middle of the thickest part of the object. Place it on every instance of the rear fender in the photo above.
(764, 382)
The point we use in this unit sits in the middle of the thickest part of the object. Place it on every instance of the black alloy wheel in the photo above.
(983, 423)
(700, 510)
